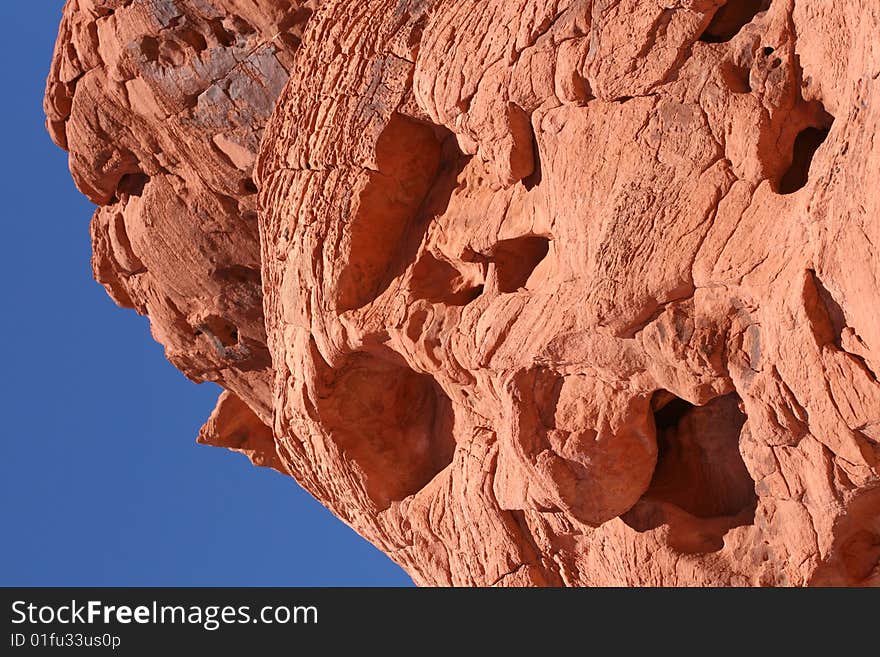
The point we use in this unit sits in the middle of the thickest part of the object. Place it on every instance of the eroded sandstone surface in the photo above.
(574, 292)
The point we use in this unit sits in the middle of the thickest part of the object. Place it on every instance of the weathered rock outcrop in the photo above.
(528, 293)
(161, 105)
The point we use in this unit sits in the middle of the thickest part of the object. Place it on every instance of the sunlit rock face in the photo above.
(527, 293)
(162, 104)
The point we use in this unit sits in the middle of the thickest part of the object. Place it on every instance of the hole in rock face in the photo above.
(150, 48)
(805, 146)
(224, 37)
(393, 424)
(699, 466)
(247, 186)
(238, 273)
(731, 18)
(193, 38)
(516, 259)
(220, 331)
(701, 487)
(132, 184)
(736, 77)
(240, 25)
(438, 281)
(408, 158)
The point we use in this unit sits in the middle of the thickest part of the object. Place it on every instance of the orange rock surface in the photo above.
(574, 292)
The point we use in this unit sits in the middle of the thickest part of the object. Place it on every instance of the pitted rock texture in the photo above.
(528, 293)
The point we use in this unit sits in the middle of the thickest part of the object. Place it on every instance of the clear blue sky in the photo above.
(101, 481)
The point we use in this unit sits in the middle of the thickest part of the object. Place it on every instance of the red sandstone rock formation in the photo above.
(529, 293)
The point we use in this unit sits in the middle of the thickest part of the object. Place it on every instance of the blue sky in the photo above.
(101, 480)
